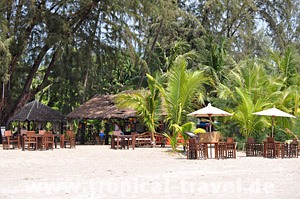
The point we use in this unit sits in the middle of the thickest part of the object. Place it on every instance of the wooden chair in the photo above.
(160, 139)
(143, 139)
(222, 150)
(250, 147)
(122, 142)
(258, 150)
(30, 140)
(203, 151)
(48, 140)
(270, 148)
(280, 150)
(230, 148)
(253, 148)
(9, 140)
(132, 141)
(69, 139)
(192, 149)
(293, 149)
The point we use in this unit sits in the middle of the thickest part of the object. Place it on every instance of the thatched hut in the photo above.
(101, 107)
(39, 113)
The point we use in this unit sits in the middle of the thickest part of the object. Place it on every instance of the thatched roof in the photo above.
(36, 111)
(101, 107)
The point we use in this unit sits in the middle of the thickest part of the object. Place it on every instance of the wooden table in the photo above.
(219, 151)
(130, 139)
(39, 138)
(210, 146)
(278, 151)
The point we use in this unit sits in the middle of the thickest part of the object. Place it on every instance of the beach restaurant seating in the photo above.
(270, 148)
(226, 149)
(203, 151)
(48, 140)
(8, 140)
(221, 150)
(230, 147)
(68, 139)
(30, 141)
(293, 149)
(252, 148)
(192, 149)
(119, 140)
(196, 149)
(144, 139)
(160, 139)
(275, 149)
(116, 137)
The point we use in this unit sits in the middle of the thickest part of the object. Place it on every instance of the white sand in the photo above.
(100, 172)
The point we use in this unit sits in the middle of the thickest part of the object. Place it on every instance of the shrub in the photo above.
(199, 130)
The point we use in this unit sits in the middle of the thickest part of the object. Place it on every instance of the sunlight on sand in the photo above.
(100, 172)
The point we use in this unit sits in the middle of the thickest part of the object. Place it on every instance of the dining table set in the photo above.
(270, 148)
(211, 149)
(121, 141)
(32, 140)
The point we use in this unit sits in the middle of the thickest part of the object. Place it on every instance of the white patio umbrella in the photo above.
(209, 111)
(273, 112)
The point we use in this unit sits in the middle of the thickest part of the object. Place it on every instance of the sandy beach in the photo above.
(100, 172)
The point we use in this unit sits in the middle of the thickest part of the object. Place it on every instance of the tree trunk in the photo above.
(150, 53)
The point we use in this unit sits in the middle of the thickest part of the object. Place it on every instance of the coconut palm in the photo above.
(287, 65)
(252, 89)
(181, 88)
(147, 103)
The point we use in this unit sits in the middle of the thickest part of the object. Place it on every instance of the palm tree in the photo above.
(181, 88)
(287, 65)
(252, 89)
(249, 124)
(147, 103)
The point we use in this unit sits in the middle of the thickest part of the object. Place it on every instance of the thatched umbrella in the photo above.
(37, 112)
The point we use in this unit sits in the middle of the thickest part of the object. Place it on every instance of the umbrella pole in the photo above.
(273, 118)
(210, 123)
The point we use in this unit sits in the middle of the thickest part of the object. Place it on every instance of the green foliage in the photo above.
(181, 88)
(173, 139)
(147, 103)
(251, 88)
(199, 130)
(187, 127)
(5, 57)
